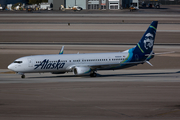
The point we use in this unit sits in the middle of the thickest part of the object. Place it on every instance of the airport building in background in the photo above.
(163, 2)
(5, 2)
(104, 4)
(93, 4)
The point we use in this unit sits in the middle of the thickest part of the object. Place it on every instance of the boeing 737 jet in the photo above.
(90, 63)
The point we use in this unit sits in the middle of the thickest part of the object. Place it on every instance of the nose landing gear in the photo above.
(23, 76)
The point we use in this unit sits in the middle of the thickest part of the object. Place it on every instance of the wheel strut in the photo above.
(93, 74)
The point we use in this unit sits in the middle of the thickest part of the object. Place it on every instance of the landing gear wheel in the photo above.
(22, 76)
(93, 74)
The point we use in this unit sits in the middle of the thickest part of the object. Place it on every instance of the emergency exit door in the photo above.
(30, 62)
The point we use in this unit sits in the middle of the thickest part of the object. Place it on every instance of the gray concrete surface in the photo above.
(84, 37)
(154, 75)
(141, 92)
(88, 18)
(89, 27)
(123, 94)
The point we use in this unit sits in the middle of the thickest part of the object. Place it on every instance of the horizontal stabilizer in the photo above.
(161, 53)
(149, 63)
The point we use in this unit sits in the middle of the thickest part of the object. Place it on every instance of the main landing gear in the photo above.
(93, 74)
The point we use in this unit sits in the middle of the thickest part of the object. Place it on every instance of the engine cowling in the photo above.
(81, 70)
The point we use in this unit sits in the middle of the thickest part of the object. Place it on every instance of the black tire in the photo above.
(22, 76)
(93, 75)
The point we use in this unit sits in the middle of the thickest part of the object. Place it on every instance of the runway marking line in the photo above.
(8, 72)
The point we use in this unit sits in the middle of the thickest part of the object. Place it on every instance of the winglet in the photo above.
(62, 50)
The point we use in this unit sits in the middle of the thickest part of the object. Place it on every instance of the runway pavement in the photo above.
(85, 37)
(116, 17)
(108, 19)
(122, 94)
(89, 27)
(154, 75)
(140, 92)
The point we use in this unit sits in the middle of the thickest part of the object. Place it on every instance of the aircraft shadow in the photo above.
(139, 74)
(161, 74)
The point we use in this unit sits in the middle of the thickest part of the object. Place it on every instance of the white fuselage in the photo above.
(65, 62)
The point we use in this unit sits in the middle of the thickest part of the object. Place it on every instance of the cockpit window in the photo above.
(18, 62)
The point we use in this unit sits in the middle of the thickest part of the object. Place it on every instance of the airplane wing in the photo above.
(95, 66)
(125, 63)
(113, 65)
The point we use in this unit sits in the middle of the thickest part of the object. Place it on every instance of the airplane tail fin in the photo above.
(145, 45)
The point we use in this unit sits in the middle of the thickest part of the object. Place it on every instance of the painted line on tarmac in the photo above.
(8, 72)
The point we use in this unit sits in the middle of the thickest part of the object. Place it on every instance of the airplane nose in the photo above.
(10, 67)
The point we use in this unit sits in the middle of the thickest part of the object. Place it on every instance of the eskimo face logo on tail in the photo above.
(148, 42)
(46, 64)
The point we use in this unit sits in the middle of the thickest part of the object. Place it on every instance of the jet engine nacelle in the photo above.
(81, 70)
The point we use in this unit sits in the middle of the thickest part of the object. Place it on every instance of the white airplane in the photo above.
(88, 64)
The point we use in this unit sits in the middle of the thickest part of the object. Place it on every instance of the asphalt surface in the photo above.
(88, 18)
(140, 92)
(122, 94)
(89, 27)
(84, 37)
(149, 75)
